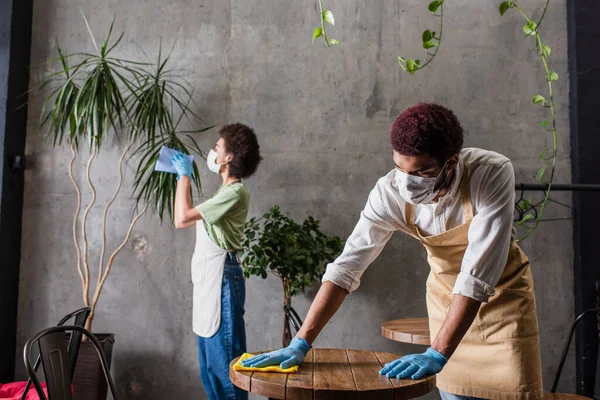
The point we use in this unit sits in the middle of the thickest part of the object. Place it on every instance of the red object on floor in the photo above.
(14, 391)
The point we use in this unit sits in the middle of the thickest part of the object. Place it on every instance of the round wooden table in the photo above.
(407, 330)
(416, 331)
(333, 374)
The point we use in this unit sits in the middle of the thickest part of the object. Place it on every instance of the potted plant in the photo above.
(296, 253)
(93, 97)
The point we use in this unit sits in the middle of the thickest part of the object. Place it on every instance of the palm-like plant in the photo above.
(100, 96)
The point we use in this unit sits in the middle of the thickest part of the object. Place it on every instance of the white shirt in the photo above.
(492, 186)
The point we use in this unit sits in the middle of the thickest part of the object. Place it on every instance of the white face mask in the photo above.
(211, 162)
(418, 189)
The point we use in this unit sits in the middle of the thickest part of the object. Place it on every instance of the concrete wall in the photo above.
(323, 118)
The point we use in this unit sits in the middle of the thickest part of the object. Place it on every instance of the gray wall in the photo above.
(323, 118)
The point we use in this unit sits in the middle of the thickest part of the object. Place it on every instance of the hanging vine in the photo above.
(326, 16)
(531, 29)
(430, 40)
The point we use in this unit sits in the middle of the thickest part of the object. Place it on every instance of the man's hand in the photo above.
(286, 358)
(415, 366)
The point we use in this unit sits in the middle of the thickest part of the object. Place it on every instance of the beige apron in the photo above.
(208, 263)
(499, 357)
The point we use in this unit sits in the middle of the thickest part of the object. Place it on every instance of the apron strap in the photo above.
(465, 191)
(409, 217)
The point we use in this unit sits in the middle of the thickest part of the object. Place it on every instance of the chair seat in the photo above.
(563, 396)
(14, 391)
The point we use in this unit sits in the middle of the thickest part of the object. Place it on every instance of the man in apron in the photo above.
(459, 204)
(219, 288)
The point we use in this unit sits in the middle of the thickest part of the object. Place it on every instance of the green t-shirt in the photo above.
(225, 214)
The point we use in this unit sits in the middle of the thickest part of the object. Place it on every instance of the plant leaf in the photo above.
(544, 123)
(328, 17)
(540, 174)
(427, 36)
(334, 41)
(526, 218)
(504, 6)
(546, 50)
(537, 99)
(318, 32)
(529, 28)
(429, 45)
(402, 62)
(412, 66)
(552, 76)
(543, 153)
(434, 5)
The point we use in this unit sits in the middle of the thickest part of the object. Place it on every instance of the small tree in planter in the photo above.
(296, 254)
(94, 99)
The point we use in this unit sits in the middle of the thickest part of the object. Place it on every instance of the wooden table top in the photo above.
(333, 374)
(407, 330)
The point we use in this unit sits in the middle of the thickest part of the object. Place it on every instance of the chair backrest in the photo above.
(53, 352)
(591, 311)
(80, 317)
(293, 317)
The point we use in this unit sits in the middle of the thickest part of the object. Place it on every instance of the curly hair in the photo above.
(427, 128)
(241, 141)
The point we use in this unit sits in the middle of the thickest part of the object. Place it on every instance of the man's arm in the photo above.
(370, 235)
(185, 214)
(461, 315)
(329, 299)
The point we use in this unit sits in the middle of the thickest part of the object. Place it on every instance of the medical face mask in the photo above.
(211, 162)
(418, 189)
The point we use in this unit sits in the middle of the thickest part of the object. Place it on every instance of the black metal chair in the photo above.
(592, 311)
(293, 317)
(55, 361)
(80, 317)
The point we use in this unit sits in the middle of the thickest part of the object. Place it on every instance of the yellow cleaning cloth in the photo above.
(272, 368)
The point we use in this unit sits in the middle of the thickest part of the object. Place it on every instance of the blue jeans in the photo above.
(215, 353)
(450, 396)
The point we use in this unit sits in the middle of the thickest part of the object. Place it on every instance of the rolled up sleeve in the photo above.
(490, 234)
(372, 232)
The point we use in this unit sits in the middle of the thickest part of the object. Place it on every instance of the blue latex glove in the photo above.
(415, 366)
(286, 358)
(182, 165)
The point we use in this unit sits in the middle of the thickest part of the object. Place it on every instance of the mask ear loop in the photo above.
(446, 178)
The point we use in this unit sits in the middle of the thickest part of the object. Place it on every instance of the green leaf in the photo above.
(429, 45)
(334, 41)
(504, 6)
(529, 28)
(545, 50)
(540, 174)
(537, 99)
(402, 62)
(544, 123)
(526, 218)
(318, 32)
(328, 17)
(427, 36)
(434, 5)
(412, 66)
(543, 153)
(552, 76)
